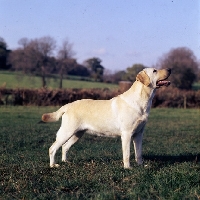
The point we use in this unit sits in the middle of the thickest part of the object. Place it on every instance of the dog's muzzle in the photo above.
(164, 82)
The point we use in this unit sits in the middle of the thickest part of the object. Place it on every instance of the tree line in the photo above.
(39, 57)
(185, 68)
(42, 57)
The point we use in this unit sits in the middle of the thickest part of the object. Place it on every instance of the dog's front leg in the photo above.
(137, 141)
(126, 139)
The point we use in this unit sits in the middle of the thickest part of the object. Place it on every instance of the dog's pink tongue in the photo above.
(163, 83)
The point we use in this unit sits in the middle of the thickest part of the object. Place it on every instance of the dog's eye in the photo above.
(154, 71)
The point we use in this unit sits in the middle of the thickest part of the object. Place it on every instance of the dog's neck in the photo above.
(139, 94)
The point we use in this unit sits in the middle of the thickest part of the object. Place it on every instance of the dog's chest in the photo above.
(140, 123)
(136, 123)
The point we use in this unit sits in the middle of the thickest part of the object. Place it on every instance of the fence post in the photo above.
(184, 101)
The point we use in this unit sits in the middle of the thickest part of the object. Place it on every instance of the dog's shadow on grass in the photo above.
(171, 159)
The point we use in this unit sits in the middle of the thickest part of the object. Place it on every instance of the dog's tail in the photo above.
(54, 116)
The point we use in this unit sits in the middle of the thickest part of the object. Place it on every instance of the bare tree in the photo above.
(43, 48)
(23, 42)
(184, 67)
(65, 51)
(65, 59)
(34, 57)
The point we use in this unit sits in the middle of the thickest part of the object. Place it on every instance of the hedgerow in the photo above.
(165, 97)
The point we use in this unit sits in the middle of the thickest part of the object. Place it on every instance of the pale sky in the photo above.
(119, 32)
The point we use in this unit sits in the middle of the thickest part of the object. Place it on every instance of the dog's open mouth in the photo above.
(163, 83)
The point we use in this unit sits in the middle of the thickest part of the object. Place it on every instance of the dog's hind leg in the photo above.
(52, 151)
(62, 137)
(69, 143)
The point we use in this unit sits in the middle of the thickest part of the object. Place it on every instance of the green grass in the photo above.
(17, 80)
(170, 148)
(196, 86)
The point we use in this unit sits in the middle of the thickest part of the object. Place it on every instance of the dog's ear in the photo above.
(143, 78)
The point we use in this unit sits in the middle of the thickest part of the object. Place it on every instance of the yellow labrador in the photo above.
(124, 116)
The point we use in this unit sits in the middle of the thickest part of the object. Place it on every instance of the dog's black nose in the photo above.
(169, 70)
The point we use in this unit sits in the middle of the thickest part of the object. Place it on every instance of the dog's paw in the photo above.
(55, 166)
(128, 167)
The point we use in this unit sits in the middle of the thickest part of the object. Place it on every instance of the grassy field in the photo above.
(13, 80)
(17, 80)
(196, 86)
(171, 148)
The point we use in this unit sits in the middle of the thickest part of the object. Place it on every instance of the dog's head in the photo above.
(154, 78)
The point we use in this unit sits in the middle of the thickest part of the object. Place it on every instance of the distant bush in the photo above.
(184, 67)
(176, 98)
(165, 97)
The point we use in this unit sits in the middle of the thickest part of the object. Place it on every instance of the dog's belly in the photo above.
(105, 127)
(101, 129)
(102, 134)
